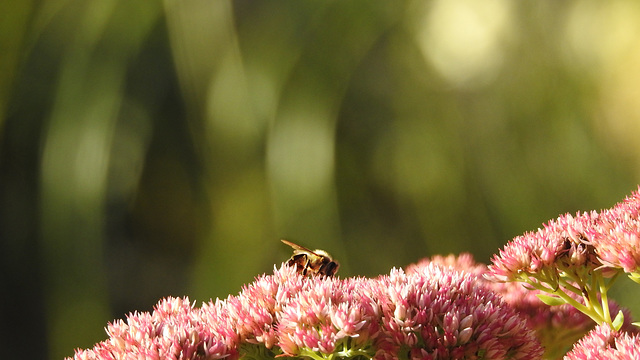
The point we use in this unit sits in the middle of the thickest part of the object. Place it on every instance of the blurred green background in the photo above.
(155, 148)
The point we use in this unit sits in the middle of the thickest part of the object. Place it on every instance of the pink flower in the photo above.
(439, 313)
(560, 244)
(603, 343)
(254, 310)
(557, 327)
(463, 262)
(616, 237)
(571, 258)
(328, 316)
(175, 330)
(607, 241)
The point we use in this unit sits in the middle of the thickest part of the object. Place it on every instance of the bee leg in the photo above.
(306, 267)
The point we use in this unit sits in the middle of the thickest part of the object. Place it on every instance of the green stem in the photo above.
(311, 354)
(604, 287)
(595, 313)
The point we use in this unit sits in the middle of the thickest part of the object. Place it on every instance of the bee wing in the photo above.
(298, 248)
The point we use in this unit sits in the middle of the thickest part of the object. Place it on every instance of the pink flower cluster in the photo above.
(438, 313)
(557, 327)
(603, 343)
(560, 245)
(575, 260)
(175, 330)
(462, 262)
(432, 313)
(616, 237)
(439, 308)
(608, 241)
(330, 316)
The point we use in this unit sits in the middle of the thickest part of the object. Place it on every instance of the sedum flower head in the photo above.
(603, 343)
(576, 259)
(608, 240)
(616, 237)
(330, 316)
(463, 262)
(540, 256)
(432, 313)
(557, 327)
(439, 313)
(174, 330)
(254, 310)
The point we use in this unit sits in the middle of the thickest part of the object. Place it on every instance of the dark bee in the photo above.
(312, 262)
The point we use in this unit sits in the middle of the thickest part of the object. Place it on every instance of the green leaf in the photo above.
(550, 300)
(618, 321)
(635, 277)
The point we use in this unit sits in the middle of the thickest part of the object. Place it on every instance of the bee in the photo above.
(312, 263)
